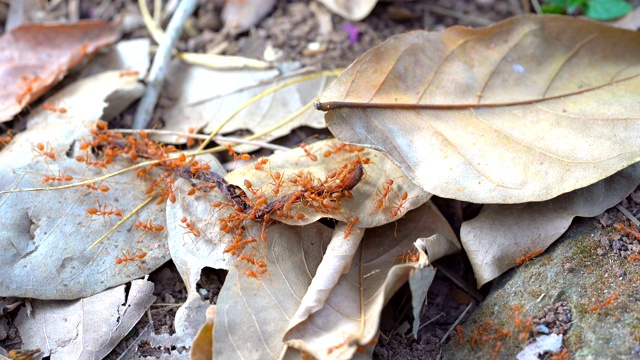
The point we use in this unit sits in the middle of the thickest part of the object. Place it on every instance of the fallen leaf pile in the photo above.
(535, 117)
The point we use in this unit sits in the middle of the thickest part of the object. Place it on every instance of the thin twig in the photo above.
(536, 6)
(220, 139)
(429, 322)
(458, 281)
(455, 323)
(158, 71)
(628, 214)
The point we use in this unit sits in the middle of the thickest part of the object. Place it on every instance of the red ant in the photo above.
(256, 274)
(42, 150)
(129, 73)
(103, 188)
(149, 226)
(383, 194)
(277, 182)
(251, 260)
(61, 177)
(307, 150)
(236, 246)
(350, 226)
(607, 301)
(400, 204)
(260, 163)
(236, 157)
(59, 110)
(103, 211)
(127, 256)
(191, 226)
(528, 256)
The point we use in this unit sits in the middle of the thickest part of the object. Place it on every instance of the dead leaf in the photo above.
(366, 194)
(353, 10)
(48, 232)
(524, 110)
(535, 226)
(252, 315)
(38, 56)
(128, 56)
(260, 311)
(240, 16)
(207, 97)
(337, 329)
(202, 348)
(85, 328)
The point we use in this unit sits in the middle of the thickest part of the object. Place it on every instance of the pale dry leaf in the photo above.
(205, 98)
(422, 276)
(46, 234)
(353, 10)
(127, 55)
(631, 21)
(86, 328)
(37, 56)
(504, 235)
(202, 347)
(335, 263)
(240, 16)
(524, 110)
(252, 314)
(83, 102)
(366, 193)
(377, 271)
(209, 248)
(189, 252)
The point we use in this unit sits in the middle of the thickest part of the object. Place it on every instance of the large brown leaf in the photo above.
(36, 56)
(524, 110)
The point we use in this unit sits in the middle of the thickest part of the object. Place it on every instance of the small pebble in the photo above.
(542, 329)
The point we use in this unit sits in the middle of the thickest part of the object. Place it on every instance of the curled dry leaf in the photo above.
(349, 320)
(530, 228)
(259, 311)
(524, 110)
(384, 193)
(37, 56)
(354, 10)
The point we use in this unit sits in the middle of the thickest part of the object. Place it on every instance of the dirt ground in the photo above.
(291, 27)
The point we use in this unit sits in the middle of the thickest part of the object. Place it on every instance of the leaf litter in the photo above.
(28, 66)
(249, 257)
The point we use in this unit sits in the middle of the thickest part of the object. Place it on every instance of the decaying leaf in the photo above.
(207, 97)
(202, 347)
(85, 328)
(40, 56)
(259, 311)
(384, 194)
(354, 10)
(343, 325)
(189, 252)
(239, 16)
(524, 110)
(504, 236)
(48, 232)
